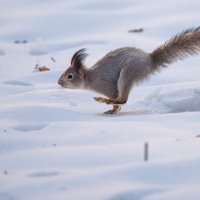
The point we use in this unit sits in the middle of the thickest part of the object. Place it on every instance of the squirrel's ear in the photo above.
(82, 72)
(78, 58)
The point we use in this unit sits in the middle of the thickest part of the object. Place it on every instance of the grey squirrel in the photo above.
(118, 71)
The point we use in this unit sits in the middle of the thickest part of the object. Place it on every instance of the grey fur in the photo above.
(178, 47)
(116, 73)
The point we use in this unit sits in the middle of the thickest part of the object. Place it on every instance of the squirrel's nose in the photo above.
(60, 81)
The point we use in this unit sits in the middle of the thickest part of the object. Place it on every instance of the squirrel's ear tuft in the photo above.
(78, 58)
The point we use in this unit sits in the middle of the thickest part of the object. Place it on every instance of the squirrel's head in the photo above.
(74, 76)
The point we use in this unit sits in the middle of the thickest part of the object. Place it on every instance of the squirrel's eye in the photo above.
(70, 76)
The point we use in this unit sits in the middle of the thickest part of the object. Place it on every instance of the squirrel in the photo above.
(117, 72)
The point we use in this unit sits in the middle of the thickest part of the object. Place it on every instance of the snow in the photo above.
(57, 143)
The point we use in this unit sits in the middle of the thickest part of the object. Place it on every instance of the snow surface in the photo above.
(56, 143)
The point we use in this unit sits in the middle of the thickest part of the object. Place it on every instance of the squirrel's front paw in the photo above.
(98, 99)
(102, 100)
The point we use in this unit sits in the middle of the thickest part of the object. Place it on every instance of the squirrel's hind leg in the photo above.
(124, 85)
(116, 109)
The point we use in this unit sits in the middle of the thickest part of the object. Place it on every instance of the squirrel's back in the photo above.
(120, 56)
(110, 66)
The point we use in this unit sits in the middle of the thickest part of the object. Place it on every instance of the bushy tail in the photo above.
(177, 48)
